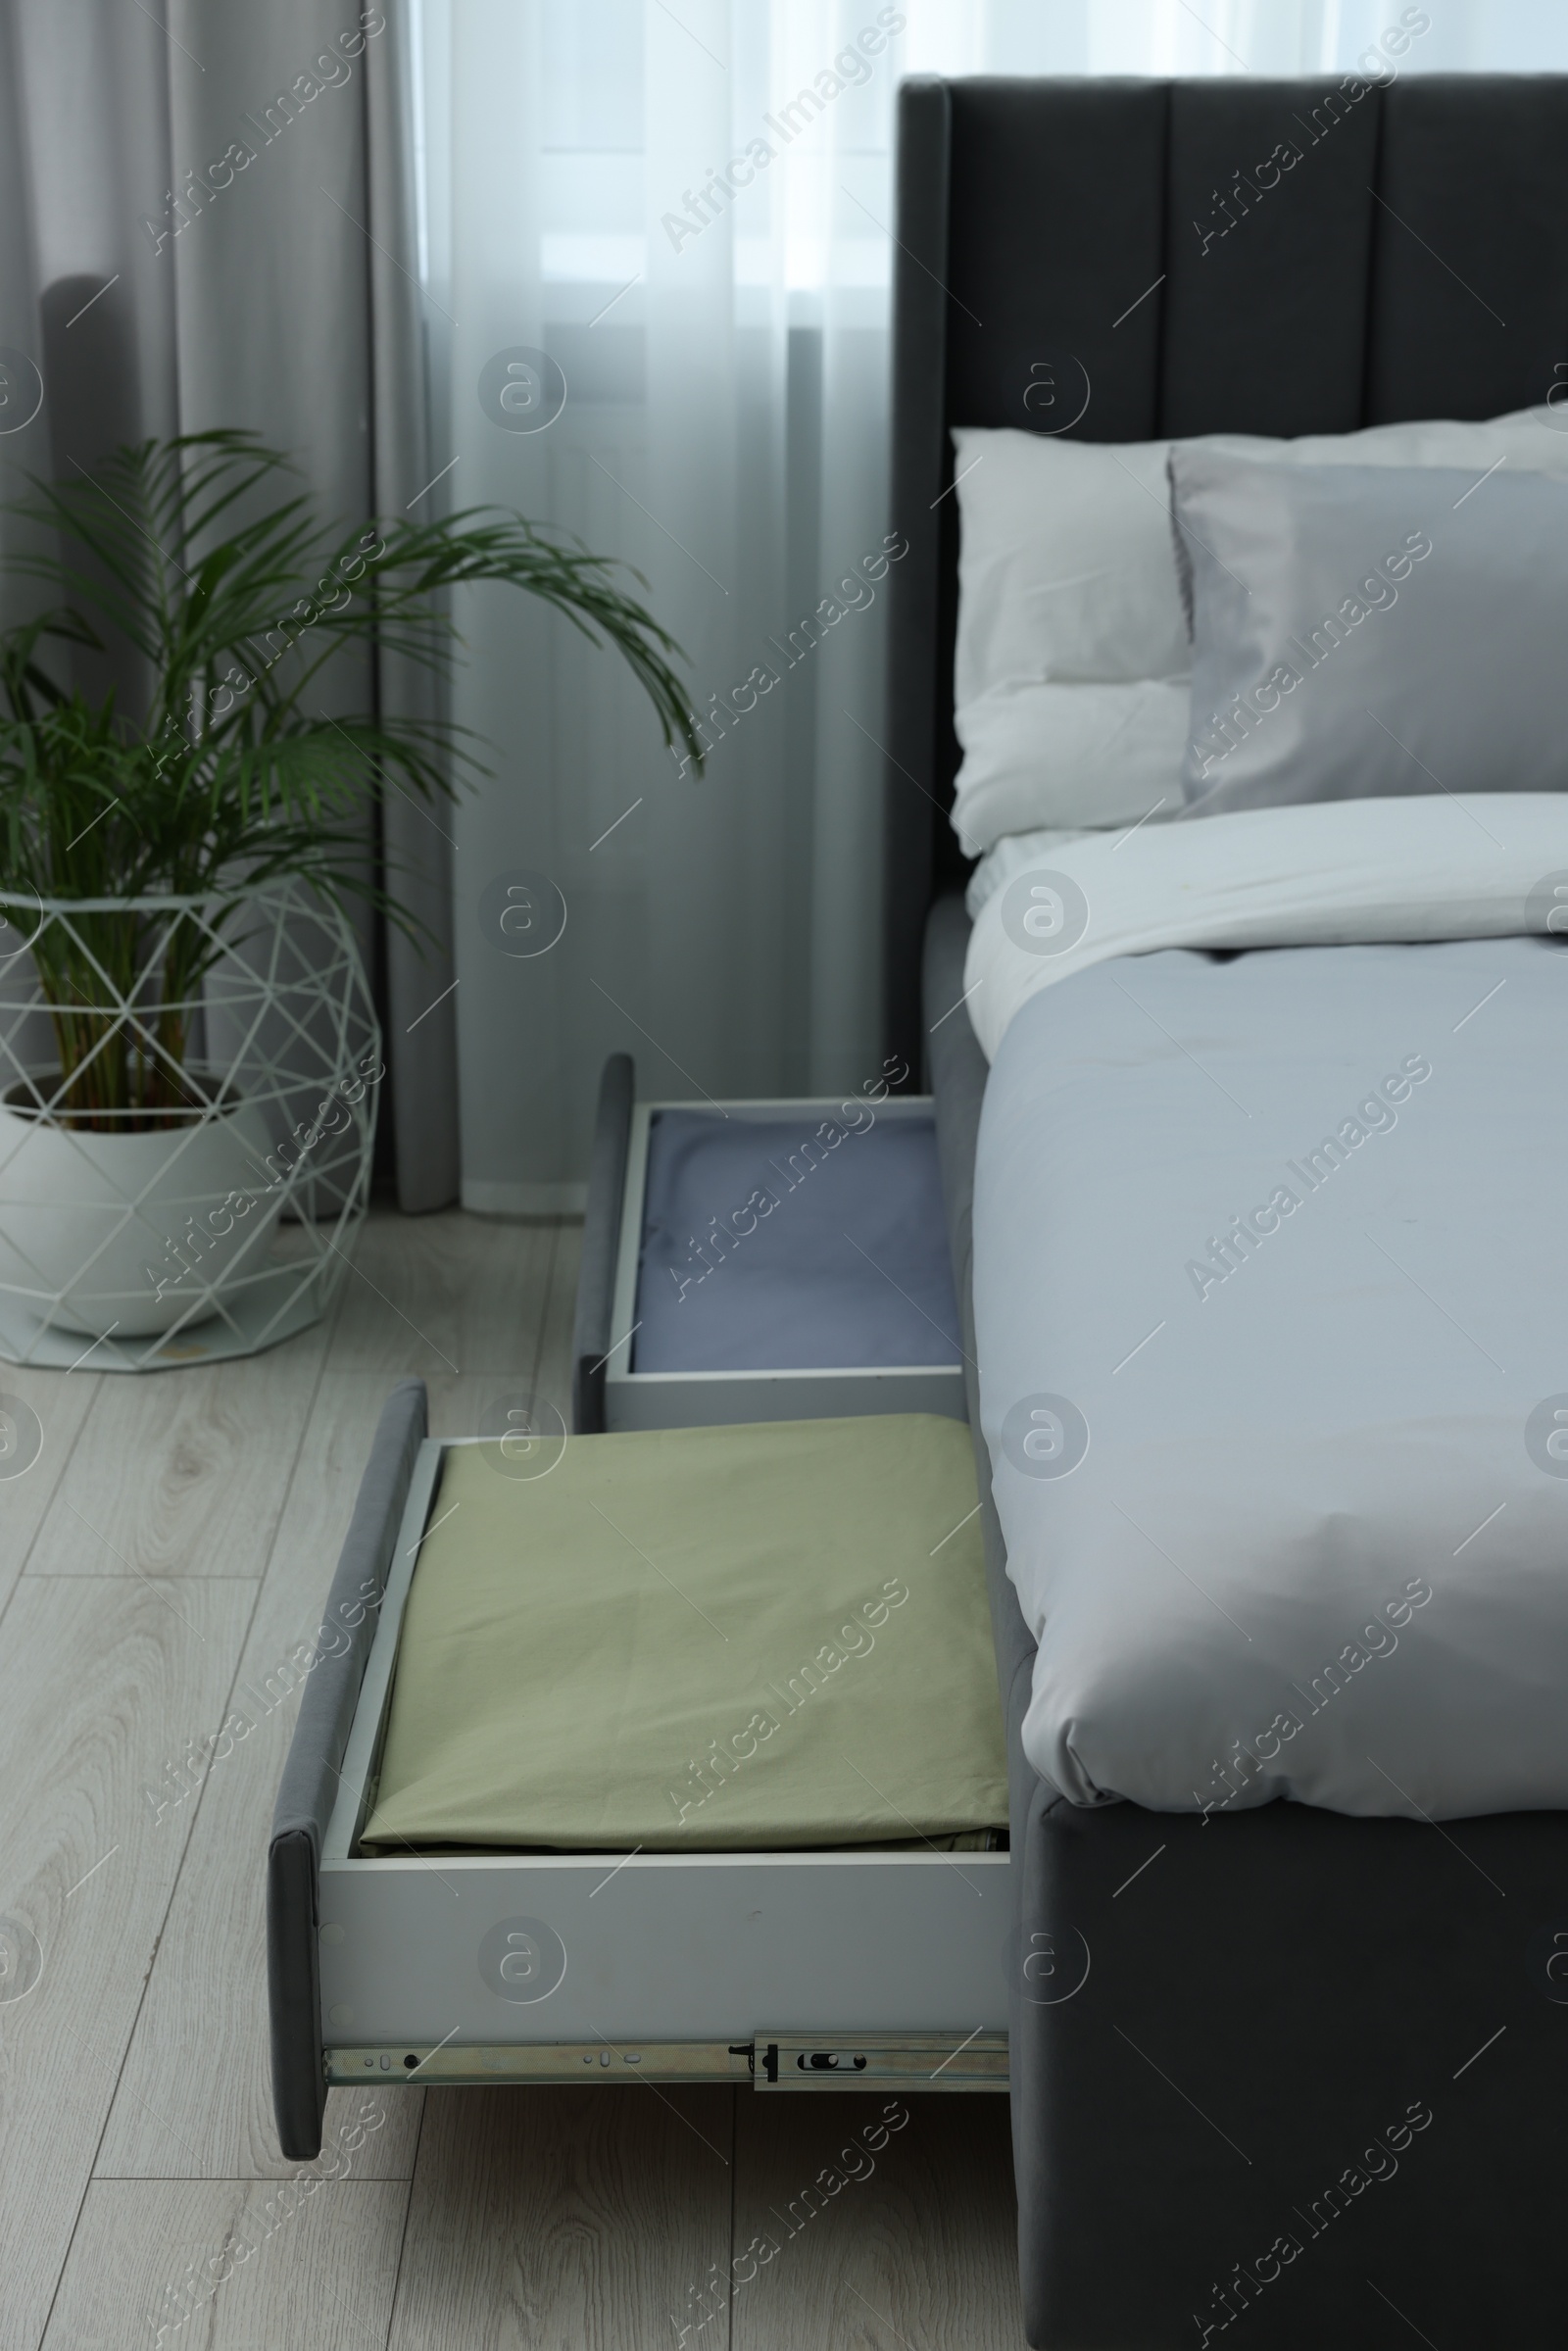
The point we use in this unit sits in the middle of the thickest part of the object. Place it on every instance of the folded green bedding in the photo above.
(700, 1638)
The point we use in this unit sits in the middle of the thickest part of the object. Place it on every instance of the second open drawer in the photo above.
(762, 1261)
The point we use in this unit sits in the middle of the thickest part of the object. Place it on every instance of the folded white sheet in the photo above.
(1331, 873)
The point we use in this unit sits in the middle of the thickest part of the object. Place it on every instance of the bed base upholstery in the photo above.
(1213, 2025)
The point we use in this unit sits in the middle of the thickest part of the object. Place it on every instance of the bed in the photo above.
(1262, 2052)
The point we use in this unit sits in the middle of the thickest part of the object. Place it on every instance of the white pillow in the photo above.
(1070, 675)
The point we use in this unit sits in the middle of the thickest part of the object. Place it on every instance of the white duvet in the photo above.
(1427, 867)
(1271, 1304)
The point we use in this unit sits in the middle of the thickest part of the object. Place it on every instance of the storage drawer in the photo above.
(837, 1967)
(762, 1261)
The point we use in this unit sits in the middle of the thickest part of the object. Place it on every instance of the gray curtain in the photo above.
(206, 220)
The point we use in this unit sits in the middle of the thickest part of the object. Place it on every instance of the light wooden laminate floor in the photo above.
(173, 1540)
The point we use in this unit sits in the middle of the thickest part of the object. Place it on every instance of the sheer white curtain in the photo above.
(722, 341)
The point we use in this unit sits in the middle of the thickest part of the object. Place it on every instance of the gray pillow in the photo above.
(1360, 631)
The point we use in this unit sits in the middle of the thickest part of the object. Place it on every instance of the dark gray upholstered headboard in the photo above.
(1118, 236)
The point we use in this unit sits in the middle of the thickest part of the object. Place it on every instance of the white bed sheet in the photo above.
(1333, 872)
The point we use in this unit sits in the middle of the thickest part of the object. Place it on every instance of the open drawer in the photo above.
(762, 1261)
(803, 1970)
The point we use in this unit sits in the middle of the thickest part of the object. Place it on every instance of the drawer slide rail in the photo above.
(772, 2061)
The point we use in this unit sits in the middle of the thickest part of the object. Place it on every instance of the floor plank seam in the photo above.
(403, 2236)
(191, 1826)
(112, 2099)
(734, 2192)
(179, 1872)
(256, 1601)
(195, 1810)
(48, 1510)
(454, 1369)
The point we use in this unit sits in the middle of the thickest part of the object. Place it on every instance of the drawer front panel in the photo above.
(695, 1948)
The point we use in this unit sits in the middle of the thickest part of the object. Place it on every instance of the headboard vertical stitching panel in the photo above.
(1270, 240)
(1374, 267)
(1473, 245)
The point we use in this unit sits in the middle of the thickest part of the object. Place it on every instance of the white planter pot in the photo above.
(96, 1224)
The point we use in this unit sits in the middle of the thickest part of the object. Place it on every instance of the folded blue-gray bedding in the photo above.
(788, 1244)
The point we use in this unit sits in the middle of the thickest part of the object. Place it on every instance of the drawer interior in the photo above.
(785, 1244)
(782, 1259)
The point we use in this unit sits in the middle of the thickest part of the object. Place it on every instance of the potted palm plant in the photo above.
(187, 1049)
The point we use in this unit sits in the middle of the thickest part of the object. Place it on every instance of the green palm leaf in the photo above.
(200, 553)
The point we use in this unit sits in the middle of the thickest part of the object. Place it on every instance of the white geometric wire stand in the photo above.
(192, 1191)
